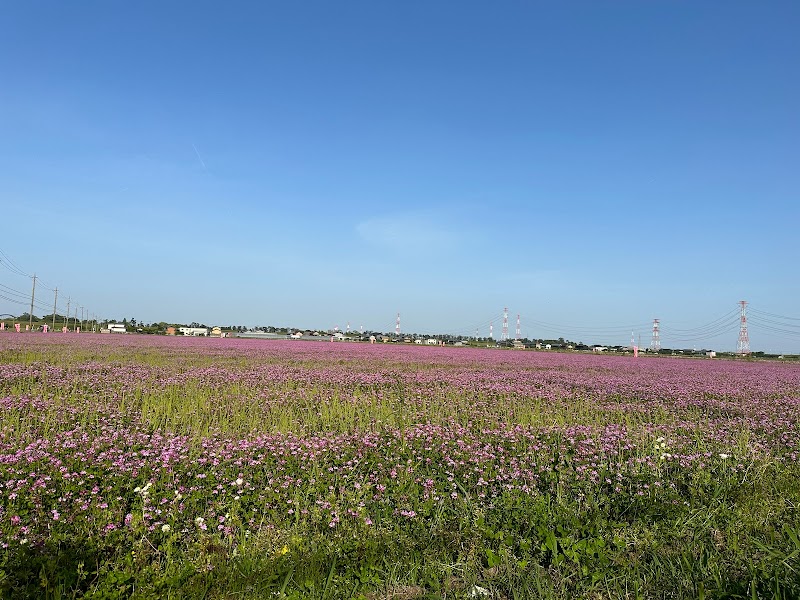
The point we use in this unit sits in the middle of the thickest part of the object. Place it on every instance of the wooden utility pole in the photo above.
(55, 303)
(33, 293)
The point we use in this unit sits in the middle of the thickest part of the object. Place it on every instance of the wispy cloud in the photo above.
(200, 158)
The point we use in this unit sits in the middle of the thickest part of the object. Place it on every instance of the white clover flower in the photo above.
(477, 591)
(165, 528)
(724, 456)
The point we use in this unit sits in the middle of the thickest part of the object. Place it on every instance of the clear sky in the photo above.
(587, 164)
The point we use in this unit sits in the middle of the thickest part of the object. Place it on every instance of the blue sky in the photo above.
(586, 164)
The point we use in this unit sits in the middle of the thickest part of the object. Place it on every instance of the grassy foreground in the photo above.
(183, 468)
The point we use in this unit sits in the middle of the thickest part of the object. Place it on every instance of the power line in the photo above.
(9, 264)
(755, 310)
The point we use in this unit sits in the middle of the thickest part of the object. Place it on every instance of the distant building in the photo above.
(170, 331)
(261, 335)
(116, 328)
(194, 331)
(519, 344)
(216, 332)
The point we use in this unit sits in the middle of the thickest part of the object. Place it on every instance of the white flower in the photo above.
(238, 482)
(477, 591)
(724, 456)
(165, 528)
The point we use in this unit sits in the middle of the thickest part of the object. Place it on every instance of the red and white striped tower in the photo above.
(397, 325)
(743, 345)
(504, 334)
(655, 343)
(519, 331)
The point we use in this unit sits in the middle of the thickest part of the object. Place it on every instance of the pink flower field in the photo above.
(151, 467)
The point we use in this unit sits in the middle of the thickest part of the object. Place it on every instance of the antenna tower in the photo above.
(743, 345)
(519, 333)
(348, 327)
(491, 330)
(655, 344)
(633, 342)
(504, 334)
(397, 325)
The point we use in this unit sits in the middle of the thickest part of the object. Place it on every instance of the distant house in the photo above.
(519, 344)
(599, 349)
(116, 328)
(431, 341)
(194, 331)
(216, 332)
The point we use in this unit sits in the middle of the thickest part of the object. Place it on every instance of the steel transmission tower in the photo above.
(504, 335)
(397, 325)
(519, 332)
(655, 344)
(743, 345)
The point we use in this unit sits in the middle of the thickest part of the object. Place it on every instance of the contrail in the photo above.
(200, 158)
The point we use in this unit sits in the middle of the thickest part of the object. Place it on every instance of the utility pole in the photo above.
(33, 293)
(66, 317)
(55, 303)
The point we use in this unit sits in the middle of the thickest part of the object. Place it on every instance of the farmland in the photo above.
(136, 466)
